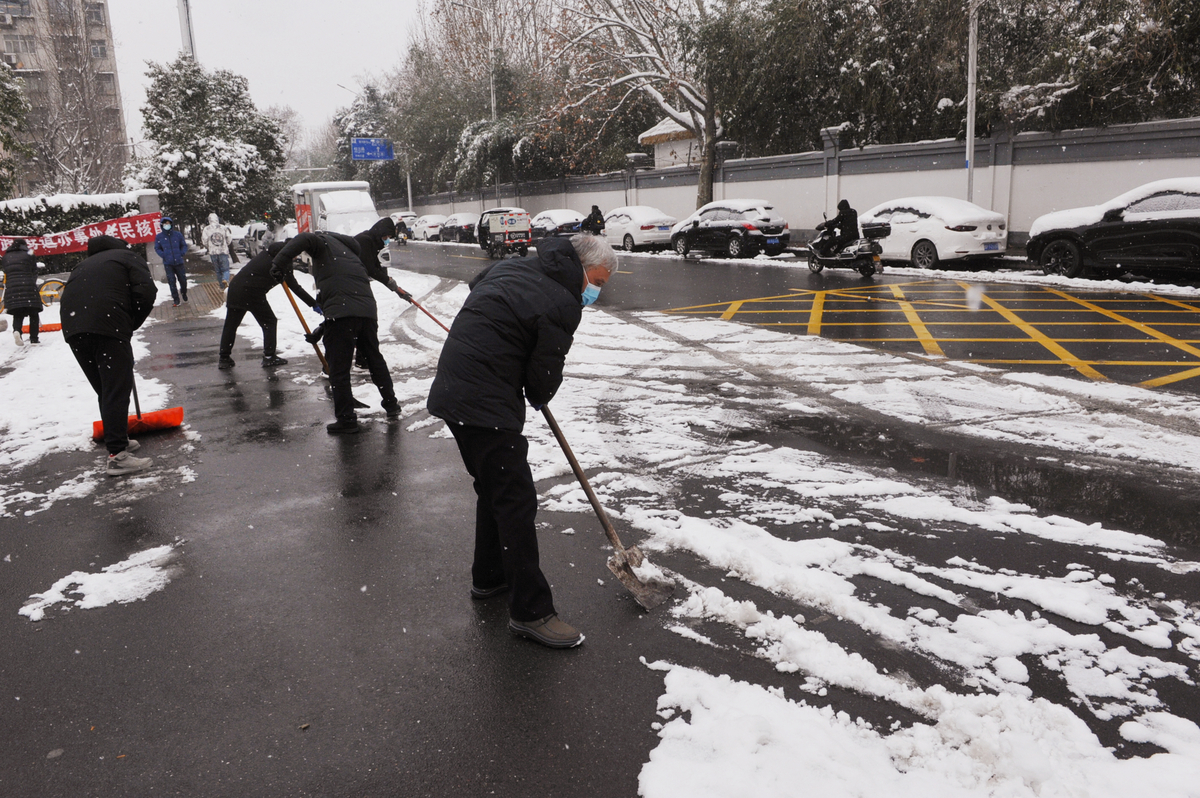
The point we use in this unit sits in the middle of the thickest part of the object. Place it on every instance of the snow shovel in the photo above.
(407, 297)
(648, 594)
(304, 324)
(156, 421)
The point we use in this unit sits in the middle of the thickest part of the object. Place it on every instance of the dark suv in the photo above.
(737, 228)
(1153, 226)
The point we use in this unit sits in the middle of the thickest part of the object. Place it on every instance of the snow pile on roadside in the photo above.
(741, 739)
(131, 580)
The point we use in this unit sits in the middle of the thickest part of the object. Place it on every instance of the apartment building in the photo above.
(63, 51)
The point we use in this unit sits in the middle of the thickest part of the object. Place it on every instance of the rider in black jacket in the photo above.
(844, 227)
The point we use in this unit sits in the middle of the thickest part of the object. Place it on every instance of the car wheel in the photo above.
(924, 255)
(1061, 256)
(734, 247)
(681, 246)
(627, 243)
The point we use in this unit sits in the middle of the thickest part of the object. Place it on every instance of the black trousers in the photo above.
(342, 337)
(262, 314)
(34, 323)
(108, 365)
(506, 548)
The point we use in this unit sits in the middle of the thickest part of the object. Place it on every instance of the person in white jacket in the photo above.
(216, 238)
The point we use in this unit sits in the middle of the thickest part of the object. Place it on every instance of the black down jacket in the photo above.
(511, 337)
(369, 244)
(110, 293)
(20, 279)
(343, 287)
(248, 288)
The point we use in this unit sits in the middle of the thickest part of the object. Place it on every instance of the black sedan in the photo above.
(737, 228)
(1154, 226)
(558, 222)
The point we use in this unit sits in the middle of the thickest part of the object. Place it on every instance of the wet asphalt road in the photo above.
(318, 639)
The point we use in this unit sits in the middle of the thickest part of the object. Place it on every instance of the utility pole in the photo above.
(972, 68)
(185, 28)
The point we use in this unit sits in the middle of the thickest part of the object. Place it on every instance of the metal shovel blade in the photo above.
(647, 594)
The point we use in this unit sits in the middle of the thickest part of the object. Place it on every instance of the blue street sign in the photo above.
(371, 150)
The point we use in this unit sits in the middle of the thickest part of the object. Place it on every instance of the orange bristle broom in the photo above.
(156, 421)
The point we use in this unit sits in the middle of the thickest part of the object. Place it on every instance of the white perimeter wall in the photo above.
(1021, 192)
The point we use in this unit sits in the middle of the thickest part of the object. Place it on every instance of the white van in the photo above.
(343, 206)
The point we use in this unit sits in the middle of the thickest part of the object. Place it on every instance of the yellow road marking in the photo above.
(1137, 325)
(918, 326)
(1041, 338)
(1170, 378)
(814, 315)
(733, 308)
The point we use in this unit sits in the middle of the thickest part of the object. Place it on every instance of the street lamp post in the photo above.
(972, 68)
(488, 24)
(185, 28)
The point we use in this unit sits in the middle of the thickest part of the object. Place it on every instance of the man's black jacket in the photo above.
(248, 288)
(510, 338)
(343, 287)
(20, 279)
(369, 243)
(110, 293)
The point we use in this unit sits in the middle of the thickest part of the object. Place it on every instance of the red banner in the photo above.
(304, 219)
(131, 229)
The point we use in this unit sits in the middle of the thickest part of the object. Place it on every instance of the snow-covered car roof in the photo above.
(463, 217)
(560, 215)
(333, 185)
(1091, 214)
(351, 201)
(733, 204)
(432, 218)
(950, 209)
(642, 212)
(503, 210)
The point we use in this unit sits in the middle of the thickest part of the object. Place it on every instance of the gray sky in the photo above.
(293, 53)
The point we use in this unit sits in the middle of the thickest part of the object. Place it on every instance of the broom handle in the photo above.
(304, 324)
(408, 297)
(587, 488)
(137, 406)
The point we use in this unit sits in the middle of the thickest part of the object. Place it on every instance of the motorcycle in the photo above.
(862, 255)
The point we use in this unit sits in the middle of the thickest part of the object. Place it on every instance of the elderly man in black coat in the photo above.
(247, 293)
(106, 298)
(21, 298)
(351, 317)
(507, 345)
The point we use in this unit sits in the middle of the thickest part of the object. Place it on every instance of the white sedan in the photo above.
(926, 230)
(638, 226)
(428, 227)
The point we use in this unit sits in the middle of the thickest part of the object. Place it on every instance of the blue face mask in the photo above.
(590, 294)
(166, 227)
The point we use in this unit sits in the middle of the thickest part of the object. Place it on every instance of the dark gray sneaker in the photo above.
(549, 631)
(124, 463)
(132, 446)
(272, 360)
(482, 593)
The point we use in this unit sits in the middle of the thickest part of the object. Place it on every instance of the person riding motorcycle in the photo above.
(843, 228)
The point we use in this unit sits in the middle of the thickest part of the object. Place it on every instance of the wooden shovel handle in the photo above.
(587, 488)
(304, 324)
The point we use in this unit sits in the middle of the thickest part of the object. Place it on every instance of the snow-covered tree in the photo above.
(623, 48)
(13, 108)
(211, 150)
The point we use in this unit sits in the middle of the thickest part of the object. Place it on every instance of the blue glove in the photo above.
(317, 309)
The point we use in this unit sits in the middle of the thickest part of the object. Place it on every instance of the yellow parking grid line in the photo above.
(711, 305)
(1043, 339)
(814, 315)
(930, 346)
(731, 310)
(1171, 378)
(1007, 340)
(1175, 302)
(1137, 325)
(1138, 363)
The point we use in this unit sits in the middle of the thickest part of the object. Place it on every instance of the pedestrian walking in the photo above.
(507, 345)
(248, 294)
(106, 298)
(216, 238)
(594, 222)
(351, 318)
(171, 247)
(21, 297)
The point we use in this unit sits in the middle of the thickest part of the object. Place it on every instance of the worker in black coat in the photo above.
(351, 318)
(844, 227)
(507, 345)
(370, 242)
(21, 298)
(247, 293)
(106, 298)
(594, 222)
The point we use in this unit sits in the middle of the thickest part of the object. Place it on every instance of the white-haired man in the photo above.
(507, 345)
